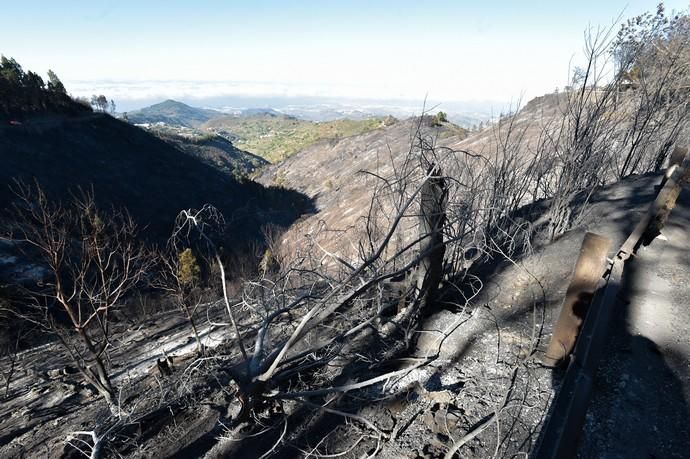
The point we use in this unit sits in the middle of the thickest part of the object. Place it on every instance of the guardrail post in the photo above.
(589, 268)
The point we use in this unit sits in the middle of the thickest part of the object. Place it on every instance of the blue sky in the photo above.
(451, 50)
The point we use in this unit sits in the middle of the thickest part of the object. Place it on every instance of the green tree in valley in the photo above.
(188, 269)
(181, 277)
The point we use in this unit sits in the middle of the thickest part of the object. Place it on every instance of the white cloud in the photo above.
(201, 90)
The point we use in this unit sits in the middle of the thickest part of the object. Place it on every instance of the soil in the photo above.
(487, 377)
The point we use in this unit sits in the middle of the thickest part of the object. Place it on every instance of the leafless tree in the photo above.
(93, 261)
(581, 145)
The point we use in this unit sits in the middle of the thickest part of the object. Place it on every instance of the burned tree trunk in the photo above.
(339, 324)
(432, 217)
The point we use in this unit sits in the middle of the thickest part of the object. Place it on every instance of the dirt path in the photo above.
(640, 406)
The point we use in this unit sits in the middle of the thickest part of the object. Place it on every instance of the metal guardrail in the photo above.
(562, 430)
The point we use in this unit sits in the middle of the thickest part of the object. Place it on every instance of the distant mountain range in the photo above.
(174, 113)
(465, 114)
(264, 132)
(466, 118)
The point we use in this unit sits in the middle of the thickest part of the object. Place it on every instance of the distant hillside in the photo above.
(211, 148)
(260, 111)
(130, 167)
(327, 170)
(173, 113)
(330, 172)
(276, 137)
(527, 125)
